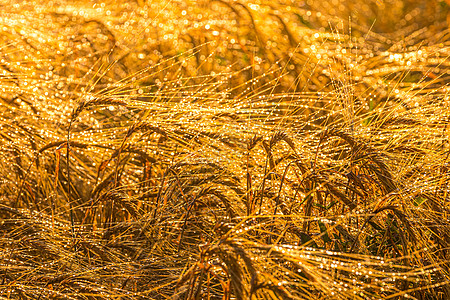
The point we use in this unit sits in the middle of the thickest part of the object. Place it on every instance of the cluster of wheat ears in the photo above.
(224, 149)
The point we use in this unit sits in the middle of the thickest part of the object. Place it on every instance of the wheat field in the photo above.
(245, 149)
